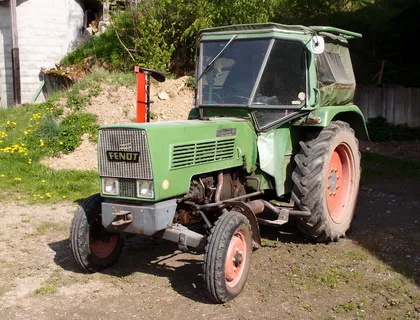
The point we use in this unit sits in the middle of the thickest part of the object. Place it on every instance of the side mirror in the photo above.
(317, 44)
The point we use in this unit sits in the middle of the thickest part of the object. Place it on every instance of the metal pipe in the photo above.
(257, 206)
(291, 212)
(206, 220)
(38, 92)
(219, 187)
(216, 204)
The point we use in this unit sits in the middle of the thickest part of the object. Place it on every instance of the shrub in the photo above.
(162, 34)
(381, 130)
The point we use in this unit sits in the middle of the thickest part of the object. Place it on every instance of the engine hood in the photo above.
(180, 150)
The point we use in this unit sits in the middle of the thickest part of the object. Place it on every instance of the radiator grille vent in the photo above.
(128, 188)
(202, 152)
(122, 139)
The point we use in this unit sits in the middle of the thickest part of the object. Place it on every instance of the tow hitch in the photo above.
(122, 217)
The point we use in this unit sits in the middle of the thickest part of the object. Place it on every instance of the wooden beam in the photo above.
(15, 54)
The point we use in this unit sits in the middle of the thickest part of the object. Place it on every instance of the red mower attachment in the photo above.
(143, 92)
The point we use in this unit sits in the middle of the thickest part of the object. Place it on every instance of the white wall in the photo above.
(47, 30)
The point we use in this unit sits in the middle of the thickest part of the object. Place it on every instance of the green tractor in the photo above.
(273, 138)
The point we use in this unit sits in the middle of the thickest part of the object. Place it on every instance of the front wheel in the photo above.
(227, 257)
(92, 246)
(326, 182)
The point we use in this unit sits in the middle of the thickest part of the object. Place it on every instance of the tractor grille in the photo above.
(128, 188)
(121, 139)
(202, 152)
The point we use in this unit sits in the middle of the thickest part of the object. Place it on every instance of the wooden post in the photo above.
(15, 54)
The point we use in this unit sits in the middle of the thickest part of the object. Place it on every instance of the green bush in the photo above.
(381, 130)
(162, 34)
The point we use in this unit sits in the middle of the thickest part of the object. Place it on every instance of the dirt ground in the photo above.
(373, 274)
(116, 105)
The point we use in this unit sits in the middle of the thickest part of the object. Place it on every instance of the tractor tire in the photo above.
(92, 246)
(227, 257)
(326, 182)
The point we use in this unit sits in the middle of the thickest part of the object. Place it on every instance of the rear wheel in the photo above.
(326, 182)
(227, 257)
(92, 246)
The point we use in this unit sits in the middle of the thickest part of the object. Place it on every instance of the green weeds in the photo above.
(46, 289)
(30, 132)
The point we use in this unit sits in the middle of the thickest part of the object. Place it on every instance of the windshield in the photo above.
(283, 82)
(234, 73)
(229, 72)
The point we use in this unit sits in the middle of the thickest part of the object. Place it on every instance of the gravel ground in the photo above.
(373, 274)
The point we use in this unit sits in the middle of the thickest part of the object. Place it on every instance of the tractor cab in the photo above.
(272, 72)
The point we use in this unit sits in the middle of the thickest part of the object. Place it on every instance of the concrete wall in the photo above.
(398, 104)
(47, 31)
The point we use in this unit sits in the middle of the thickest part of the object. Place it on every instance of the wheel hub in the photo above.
(102, 243)
(235, 259)
(332, 178)
(339, 179)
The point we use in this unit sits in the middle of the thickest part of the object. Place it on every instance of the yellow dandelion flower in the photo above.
(43, 181)
(64, 197)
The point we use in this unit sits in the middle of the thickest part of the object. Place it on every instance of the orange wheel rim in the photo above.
(339, 182)
(235, 259)
(102, 249)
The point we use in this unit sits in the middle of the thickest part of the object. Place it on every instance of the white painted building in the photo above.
(47, 31)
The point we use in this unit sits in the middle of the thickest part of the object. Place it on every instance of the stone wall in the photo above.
(47, 31)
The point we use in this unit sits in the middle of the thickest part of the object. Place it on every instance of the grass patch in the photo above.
(337, 276)
(81, 93)
(46, 289)
(28, 133)
(49, 226)
(40, 183)
(379, 166)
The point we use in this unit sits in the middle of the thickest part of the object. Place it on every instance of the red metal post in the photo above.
(142, 96)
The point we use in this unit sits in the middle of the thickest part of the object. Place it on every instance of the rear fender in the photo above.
(322, 117)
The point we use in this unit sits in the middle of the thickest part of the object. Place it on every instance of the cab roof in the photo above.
(282, 28)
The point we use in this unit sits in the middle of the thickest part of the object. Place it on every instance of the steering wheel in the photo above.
(238, 92)
(218, 97)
